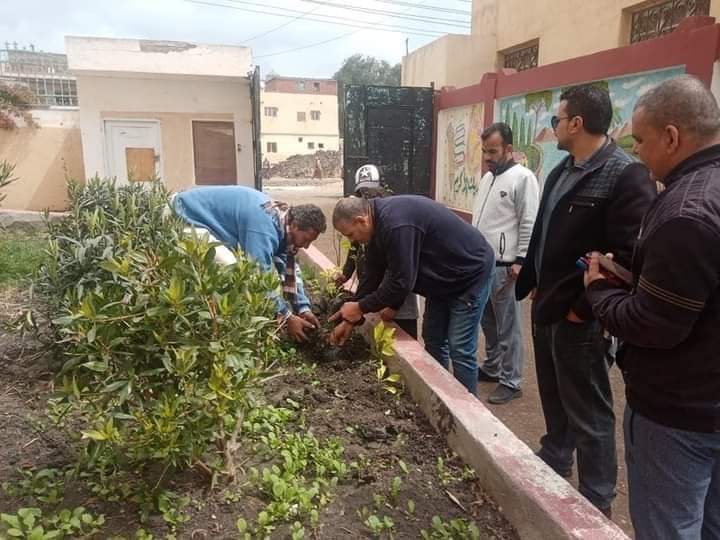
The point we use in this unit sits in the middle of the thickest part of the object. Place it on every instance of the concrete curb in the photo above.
(25, 220)
(539, 503)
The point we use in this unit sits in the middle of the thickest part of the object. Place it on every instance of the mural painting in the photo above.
(529, 117)
(459, 156)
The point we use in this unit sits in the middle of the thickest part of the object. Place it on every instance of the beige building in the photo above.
(520, 34)
(181, 111)
(298, 116)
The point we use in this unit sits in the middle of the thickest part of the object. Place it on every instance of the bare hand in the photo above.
(595, 271)
(296, 327)
(573, 318)
(350, 312)
(310, 317)
(515, 271)
(388, 314)
(340, 280)
(340, 333)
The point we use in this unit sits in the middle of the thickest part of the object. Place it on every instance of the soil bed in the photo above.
(383, 437)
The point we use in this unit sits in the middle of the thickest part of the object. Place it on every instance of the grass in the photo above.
(20, 256)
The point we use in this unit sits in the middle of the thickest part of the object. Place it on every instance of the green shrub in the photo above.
(161, 346)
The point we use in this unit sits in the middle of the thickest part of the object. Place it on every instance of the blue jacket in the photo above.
(234, 215)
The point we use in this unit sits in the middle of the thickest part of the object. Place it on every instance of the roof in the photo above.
(172, 58)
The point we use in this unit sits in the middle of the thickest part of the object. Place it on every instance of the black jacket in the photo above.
(601, 212)
(425, 248)
(671, 321)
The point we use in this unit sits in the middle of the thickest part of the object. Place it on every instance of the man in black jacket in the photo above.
(670, 322)
(415, 244)
(595, 197)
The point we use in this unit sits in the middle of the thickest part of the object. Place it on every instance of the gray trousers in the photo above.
(502, 327)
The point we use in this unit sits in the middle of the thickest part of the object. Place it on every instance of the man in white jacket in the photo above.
(504, 212)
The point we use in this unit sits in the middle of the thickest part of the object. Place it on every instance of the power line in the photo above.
(394, 14)
(431, 8)
(388, 27)
(414, 18)
(283, 25)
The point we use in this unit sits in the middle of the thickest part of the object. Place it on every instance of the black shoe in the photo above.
(565, 472)
(484, 377)
(503, 394)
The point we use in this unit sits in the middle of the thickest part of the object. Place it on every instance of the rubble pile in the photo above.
(305, 165)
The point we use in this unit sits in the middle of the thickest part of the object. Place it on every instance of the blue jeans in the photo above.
(673, 480)
(450, 331)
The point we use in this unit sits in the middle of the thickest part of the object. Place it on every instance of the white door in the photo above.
(132, 149)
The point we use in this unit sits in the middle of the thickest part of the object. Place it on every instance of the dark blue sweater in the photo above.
(425, 248)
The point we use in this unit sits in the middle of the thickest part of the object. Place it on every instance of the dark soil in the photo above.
(339, 398)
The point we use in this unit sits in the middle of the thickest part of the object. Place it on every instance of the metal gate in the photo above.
(391, 127)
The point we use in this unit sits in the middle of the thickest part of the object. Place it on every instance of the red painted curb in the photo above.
(540, 504)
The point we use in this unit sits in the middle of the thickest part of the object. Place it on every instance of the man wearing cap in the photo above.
(368, 186)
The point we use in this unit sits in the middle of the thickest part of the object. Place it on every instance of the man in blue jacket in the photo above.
(270, 232)
(415, 244)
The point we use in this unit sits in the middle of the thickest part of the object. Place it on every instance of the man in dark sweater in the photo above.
(670, 321)
(597, 196)
(417, 245)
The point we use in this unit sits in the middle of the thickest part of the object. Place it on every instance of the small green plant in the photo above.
(6, 176)
(455, 529)
(384, 340)
(378, 525)
(395, 489)
(44, 485)
(172, 506)
(31, 524)
(447, 475)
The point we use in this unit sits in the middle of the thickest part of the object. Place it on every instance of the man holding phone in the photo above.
(594, 199)
(670, 321)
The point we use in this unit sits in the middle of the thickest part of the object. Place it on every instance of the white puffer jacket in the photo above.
(505, 209)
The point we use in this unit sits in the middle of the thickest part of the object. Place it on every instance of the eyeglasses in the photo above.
(555, 120)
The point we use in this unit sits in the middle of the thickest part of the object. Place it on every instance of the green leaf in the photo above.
(11, 520)
(94, 435)
(91, 334)
(113, 386)
(15, 533)
(100, 367)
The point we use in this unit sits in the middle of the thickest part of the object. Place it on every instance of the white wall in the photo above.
(99, 95)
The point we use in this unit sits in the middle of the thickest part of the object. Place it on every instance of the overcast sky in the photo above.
(44, 23)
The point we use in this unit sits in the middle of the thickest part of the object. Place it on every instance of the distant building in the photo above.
(298, 116)
(45, 74)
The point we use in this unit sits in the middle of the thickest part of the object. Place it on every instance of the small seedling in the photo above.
(455, 529)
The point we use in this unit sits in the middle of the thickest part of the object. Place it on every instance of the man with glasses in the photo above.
(593, 200)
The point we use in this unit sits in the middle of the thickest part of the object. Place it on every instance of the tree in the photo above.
(15, 104)
(359, 69)
(535, 102)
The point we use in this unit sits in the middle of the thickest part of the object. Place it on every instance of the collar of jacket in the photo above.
(509, 164)
(696, 161)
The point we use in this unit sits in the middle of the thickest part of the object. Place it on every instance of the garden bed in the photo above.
(395, 474)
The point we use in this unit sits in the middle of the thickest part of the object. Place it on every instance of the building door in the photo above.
(132, 150)
(215, 153)
(391, 127)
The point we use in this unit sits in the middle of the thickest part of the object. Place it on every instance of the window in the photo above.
(272, 148)
(214, 153)
(522, 58)
(301, 116)
(314, 115)
(316, 86)
(311, 146)
(662, 18)
(300, 139)
(271, 111)
(301, 85)
(321, 145)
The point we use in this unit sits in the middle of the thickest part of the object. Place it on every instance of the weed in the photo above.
(455, 529)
